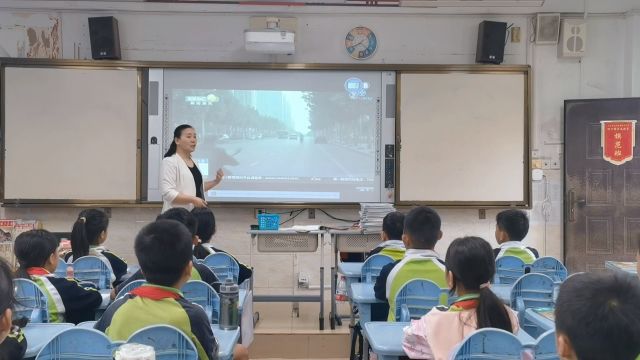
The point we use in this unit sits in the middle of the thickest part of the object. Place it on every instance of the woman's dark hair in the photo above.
(7, 297)
(86, 231)
(176, 135)
(32, 249)
(206, 223)
(472, 263)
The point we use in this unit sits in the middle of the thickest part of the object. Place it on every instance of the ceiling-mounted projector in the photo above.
(271, 40)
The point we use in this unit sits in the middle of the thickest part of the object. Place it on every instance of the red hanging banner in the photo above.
(618, 140)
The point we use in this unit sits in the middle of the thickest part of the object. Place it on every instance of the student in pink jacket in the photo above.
(469, 267)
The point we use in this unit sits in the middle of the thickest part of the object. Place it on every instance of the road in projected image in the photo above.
(318, 144)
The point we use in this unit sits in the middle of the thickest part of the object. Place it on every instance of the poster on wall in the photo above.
(30, 36)
(618, 140)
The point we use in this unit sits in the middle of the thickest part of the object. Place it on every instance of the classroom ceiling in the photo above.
(418, 6)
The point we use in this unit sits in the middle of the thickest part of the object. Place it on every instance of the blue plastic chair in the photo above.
(551, 267)
(545, 346)
(130, 286)
(78, 343)
(416, 298)
(168, 342)
(532, 291)
(94, 270)
(489, 343)
(223, 265)
(509, 269)
(61, 269)
(203, 294)
(372, 267)
(31, 302)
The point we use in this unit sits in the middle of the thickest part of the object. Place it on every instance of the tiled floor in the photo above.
(281, 335)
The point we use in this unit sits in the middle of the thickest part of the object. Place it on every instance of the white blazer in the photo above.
(175, 178)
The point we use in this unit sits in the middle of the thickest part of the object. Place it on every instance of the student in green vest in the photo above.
(68, 299)
(597, 317)
(421, 233)
(13, 344)
(392, 245)
(198, 271)
(512, 227)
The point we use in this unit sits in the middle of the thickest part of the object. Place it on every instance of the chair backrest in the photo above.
(551, 267)
(130, 286)
(61, 269)
(203, 294)
(416, 298)
(532, 291)
(372, 267)
(489, 343)
(94, 270)
(31, 302)
(509, 269)
(78, 343)
(545, 346)
(169, 342)
(223, 265)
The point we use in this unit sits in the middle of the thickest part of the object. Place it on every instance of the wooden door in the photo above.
(602, 199)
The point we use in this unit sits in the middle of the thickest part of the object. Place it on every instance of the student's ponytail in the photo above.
(176, 135)
(86, 231)
(491, 312)
(472, 263)
(79, 242)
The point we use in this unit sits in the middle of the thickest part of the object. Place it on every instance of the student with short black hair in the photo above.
(164, 252)
(13, 344)
(512, 227)
(87, 238)
(470, 267)
(205, 230)
(392, 228)
(597, 317)
(69, 300)
(421, 232)
(198, 271)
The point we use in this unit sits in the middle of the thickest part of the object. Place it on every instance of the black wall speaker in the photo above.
(491, 40)
(105, 40)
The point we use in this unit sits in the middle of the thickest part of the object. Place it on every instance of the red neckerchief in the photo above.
(466, 302)
(154, 293)
(37, 271)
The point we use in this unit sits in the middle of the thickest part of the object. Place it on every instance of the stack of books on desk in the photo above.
(371, 215)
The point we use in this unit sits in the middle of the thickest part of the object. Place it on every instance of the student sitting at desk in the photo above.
(87, 236)
(511, 228)
(392, 245)
(470, 267)
(163, 249)
(13, 344)
(205, 231)
(69, 301)
(198, 271)
(421, 232)
(597, 317)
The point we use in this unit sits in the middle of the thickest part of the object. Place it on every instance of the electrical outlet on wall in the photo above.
(303, 280)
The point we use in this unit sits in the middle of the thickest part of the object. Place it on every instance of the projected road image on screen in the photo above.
(286, 145)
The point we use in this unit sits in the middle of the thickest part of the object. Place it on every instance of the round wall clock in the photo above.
(361, 43)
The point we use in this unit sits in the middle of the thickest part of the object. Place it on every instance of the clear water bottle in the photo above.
(229, 316)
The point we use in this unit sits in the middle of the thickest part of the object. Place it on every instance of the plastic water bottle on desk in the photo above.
(229, 316)
(70, 273)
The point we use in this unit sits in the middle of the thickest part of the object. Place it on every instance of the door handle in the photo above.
(571, 205)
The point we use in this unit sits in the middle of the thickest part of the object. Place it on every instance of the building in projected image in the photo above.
(267, 103)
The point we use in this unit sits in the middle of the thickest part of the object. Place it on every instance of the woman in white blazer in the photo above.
(181, 183)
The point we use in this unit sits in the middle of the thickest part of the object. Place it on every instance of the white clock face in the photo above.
(361, 43)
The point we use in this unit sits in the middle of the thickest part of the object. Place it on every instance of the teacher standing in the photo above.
(181, 183)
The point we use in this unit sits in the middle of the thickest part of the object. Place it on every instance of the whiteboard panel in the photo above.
(70, 134)
(463, 137)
